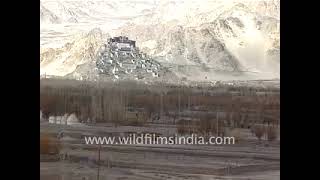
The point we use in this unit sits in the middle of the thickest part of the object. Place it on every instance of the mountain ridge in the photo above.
(241, 36)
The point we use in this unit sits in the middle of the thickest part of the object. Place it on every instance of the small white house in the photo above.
(155, 74)
(109, 61)
(73, 120)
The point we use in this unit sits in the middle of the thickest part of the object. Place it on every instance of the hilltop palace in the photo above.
(120, 58)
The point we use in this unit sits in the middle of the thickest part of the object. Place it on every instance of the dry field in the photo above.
(252, 115)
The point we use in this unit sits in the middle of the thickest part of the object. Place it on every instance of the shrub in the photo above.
(234, 133)
(182, 127)
(272, 133)
(49, 144)
(258, 131)
(186, 127)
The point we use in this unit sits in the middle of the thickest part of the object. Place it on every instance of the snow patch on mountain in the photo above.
(237, 39)
(205, 36)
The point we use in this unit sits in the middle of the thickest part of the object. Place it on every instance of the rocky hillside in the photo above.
(238, 39)
(203, 37)
(62, 61)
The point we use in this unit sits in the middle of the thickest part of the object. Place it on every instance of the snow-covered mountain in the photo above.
(79, 11)
(211, 36)
(65, 60)
(238, 38)
(46, 16)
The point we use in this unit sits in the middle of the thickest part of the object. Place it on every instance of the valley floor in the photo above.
(247, 159)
